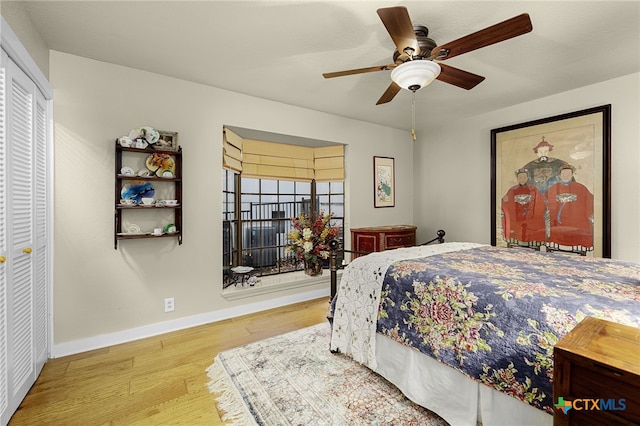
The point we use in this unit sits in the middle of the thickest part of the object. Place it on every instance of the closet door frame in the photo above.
(19, 67)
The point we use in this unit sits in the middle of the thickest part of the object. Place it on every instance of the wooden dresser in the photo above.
(598, 360)
(380, 238)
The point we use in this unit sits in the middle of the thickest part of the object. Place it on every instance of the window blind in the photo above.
(329, 163)
(271, 160)
(231, 151)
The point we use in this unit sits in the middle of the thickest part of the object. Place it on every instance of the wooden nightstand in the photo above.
(598, 360)
(381, 238)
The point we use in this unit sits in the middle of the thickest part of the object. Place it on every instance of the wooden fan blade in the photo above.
(459, 77)
(358, 71)
(502, 31)
(398, 24)
(389, 94)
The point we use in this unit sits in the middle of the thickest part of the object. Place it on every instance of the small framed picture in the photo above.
(384, 193)
(168, 140)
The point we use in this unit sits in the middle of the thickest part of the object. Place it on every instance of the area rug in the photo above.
(293, 379)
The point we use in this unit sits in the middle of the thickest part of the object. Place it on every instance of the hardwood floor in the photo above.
(155, 381)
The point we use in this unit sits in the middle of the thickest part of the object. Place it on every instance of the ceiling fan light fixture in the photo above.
(413, 75)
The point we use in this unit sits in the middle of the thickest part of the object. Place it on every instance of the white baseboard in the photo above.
(110, 339)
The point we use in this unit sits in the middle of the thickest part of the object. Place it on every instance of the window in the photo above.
(256, 220)
(267, 182)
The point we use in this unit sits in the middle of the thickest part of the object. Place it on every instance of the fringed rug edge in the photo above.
(228, 399)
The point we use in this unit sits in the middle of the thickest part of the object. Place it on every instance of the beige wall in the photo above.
(465, 148)
(102, 294)
(16, 16)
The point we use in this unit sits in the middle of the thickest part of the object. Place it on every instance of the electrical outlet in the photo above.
(169, 304)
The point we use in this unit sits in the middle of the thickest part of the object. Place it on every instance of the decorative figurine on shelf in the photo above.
(309, 240)
(125, 141)
(146, 133)
(140, 138)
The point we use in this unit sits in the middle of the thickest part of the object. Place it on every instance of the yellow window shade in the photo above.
(329, 163)
(272, 160)
(273, 149)
(231, 151)
(277, 161)
(275, 172)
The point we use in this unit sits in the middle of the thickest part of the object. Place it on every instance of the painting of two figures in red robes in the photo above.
(550, 183)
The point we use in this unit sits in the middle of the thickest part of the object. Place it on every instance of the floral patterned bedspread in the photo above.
(495, 313)
(355, 308)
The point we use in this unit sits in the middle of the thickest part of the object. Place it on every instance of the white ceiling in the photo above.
(278, 50)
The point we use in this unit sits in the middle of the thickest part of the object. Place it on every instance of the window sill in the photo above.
(277, 283)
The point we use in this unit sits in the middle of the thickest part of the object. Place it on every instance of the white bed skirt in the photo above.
(458, 399)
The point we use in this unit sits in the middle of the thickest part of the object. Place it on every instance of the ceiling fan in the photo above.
(414, 60)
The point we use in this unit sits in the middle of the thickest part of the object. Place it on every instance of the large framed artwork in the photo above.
(550, 183)
(384, 193)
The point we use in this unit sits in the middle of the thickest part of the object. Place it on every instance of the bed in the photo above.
(467, 330)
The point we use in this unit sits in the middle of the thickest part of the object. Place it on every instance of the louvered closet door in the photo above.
(21, 250)
(25, 221)
(4, 390)
(41, 232)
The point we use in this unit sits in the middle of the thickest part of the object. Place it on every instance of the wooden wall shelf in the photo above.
(120, 210)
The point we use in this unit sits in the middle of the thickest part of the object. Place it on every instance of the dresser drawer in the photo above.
(367, 243)
(396, 240)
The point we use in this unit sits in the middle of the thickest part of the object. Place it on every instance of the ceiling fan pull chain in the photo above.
(413, 115)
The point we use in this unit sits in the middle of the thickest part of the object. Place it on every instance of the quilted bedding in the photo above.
(493, 314)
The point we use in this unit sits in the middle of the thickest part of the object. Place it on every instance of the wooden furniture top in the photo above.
(385, 228)
(606, 342)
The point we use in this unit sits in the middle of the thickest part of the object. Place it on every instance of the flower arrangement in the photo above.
(309, 238)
